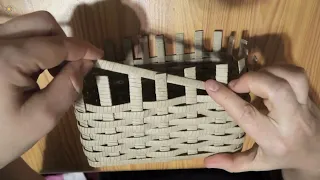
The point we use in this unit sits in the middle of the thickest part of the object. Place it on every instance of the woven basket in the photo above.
(155, 108)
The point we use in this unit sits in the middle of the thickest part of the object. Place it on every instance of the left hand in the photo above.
(30, 44)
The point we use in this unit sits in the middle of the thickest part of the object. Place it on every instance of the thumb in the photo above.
(49, 105)
(235, 162)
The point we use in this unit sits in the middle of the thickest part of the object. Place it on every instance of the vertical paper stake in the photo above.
(161, 91)
(217, 41)
(145, 50)
(221, 76)
(241, 65)
(162, 95)
(222, 73)
(104, 90)
(191, 93)
(160, 49)
(231, 44)
(135, 88)
(179, 47)
(128, 51)
(198, 45)
(191, 98)
(136, 101)
(242, 48)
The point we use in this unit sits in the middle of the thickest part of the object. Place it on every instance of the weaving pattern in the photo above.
(192, 125)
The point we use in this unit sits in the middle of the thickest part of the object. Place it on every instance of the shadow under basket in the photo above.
(156, 109)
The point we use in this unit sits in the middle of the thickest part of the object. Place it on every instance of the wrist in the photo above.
(297, 174)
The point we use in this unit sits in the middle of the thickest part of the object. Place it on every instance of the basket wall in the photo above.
(165, 129)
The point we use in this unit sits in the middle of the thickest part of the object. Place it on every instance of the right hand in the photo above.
(287, 138)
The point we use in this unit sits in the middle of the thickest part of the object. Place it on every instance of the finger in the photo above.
(296, 77)
(47, 106)
(55, 70)
(48, 52)
(237, 162)
(40, 23)
(276, 91)
(243, 113)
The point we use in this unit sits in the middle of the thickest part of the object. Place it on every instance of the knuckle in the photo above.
(249, 75)
(226, 97)
(47, 115)
(280, 89)
(301, 70)
(282, 148)
(46, 111)
(249, 111)
(45, 16)
(301, 76)
(7, 50)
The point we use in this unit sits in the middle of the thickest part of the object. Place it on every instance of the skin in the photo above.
(287, 136)
(28, 45)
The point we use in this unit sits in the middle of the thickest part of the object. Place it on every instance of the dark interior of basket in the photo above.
(205, 68)
(119, 83)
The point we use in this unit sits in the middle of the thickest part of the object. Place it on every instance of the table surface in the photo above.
(283, 31)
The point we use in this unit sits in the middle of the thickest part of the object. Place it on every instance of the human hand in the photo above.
(30, 44)
(287, 137)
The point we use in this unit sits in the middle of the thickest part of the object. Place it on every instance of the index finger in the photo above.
(49, 51)
(277, 93)
(243, 113)
(40, 23)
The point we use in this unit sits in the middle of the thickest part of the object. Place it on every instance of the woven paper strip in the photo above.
(165, 128)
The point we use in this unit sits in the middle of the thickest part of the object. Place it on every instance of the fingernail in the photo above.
(86, 67)
(77, 65)
(100, 53)
(95, 53)
(212, 85)
(233, 83)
